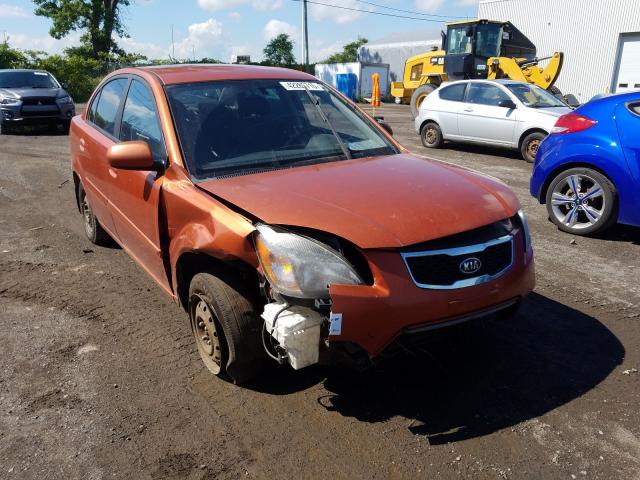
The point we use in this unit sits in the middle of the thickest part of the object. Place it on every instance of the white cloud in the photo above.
(44, 44)
(468, 3)
(12, 11)
(202, 38)
(338, 15)
(235, 16)
(275, 27)
(215, 5)
(429, 6)
(148, 49)
(319, 53)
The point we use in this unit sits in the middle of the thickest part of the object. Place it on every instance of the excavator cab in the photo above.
(468, 46)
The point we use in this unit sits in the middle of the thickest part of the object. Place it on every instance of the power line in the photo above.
(369, 11)
(409, 11)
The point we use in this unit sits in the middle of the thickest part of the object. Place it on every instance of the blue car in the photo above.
(587, 171)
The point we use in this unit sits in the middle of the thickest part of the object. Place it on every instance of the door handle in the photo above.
(82, 144)
(468, 109)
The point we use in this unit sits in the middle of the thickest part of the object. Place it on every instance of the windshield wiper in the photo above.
(316, 103)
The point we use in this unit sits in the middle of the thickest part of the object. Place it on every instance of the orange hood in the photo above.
(379, 202)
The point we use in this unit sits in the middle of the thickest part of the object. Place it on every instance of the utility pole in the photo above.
(305, 34)
(173, 45)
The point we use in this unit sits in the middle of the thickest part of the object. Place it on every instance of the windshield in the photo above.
(458, 42)
(533, 96)
(27, 80)
(241, 127)
(488, 38)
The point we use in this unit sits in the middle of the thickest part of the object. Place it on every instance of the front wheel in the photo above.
(226, 326)
(582, 201)
(431, 135)
(530, 145)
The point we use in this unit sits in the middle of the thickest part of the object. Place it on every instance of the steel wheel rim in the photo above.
(578, 202)
(430, 135)
(88, 217)
(204, 328)
(532, 148)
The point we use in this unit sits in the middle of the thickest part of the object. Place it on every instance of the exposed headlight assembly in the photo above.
(301, 267)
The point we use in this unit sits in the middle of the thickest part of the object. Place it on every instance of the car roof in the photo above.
(22, 70)
(174, 74)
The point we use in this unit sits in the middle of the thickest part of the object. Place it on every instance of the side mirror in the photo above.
(387, 128)
(131, 156)
(65, 86)
(507, 104)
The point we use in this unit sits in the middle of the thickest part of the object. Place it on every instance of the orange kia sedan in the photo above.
(287, 222)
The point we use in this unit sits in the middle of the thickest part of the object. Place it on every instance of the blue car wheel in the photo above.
(581, 201)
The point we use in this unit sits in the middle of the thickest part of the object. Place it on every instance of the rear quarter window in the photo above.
(109, 104)
(453, 93)
(635, 108)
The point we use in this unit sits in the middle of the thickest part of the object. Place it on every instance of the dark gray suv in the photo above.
(33, 97)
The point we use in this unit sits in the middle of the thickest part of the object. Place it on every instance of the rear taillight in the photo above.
(571, 123)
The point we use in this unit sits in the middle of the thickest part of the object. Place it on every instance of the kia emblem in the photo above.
(470, 265)
(39, 102)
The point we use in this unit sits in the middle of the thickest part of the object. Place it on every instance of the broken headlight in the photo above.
(300, 267)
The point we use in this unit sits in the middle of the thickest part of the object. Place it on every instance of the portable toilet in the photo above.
(347, 84)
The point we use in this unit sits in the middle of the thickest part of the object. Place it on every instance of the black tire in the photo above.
(431, 135)
(4, 129)
(95, 233)
(65, 127)
(608, 207)
(530, 144)
(418, 96)
(233, 327)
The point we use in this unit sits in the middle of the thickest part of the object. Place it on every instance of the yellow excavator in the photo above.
(476, 49)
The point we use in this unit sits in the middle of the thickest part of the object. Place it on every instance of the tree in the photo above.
(349, 52)
(279, 51)
(100, 20)
(10, 57)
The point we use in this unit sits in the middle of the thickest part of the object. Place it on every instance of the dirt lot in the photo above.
(100, 378)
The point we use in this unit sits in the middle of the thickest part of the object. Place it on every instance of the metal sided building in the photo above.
(600, 39)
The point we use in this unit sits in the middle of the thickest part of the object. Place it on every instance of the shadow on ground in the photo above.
(484, 150)
(476, 380)
(621, 233)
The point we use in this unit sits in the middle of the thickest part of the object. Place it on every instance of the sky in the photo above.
(223, 28)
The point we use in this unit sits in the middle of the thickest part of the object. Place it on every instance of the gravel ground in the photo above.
(100, 378)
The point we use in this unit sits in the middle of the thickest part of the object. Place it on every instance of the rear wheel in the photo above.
(418, 97)
(226, 326)
(95, 233)
(530, 145)
(431, 135)
(582, 201)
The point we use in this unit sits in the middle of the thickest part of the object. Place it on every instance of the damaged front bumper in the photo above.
(368, 318)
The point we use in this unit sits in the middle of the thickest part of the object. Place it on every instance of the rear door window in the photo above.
(454, 93)
(140, 120)
(109, 104)
(485, 94)
(92, 110)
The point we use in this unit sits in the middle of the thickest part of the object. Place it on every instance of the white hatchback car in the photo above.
(501, 113)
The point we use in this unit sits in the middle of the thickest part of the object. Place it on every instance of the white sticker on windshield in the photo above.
(302, 86)
(335, 324)
(42, 74)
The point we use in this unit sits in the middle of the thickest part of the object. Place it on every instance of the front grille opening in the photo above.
(444, 269)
